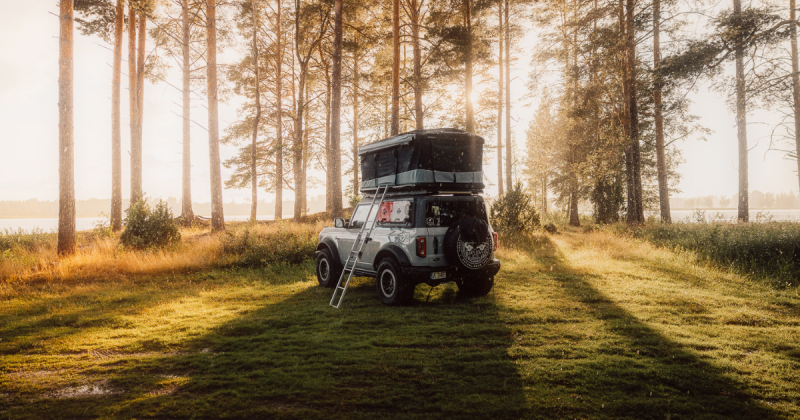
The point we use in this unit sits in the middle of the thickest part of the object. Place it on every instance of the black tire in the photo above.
(468, 244)
(328, 270)
(391, 286)
(476, 287)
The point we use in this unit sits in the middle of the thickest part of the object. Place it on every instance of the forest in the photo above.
(318, 79)
(604, 307)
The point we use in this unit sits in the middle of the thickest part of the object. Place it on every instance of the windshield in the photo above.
(445, 213)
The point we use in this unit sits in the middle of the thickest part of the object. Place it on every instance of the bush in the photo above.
(513, 213)
(257, 246)
(149, 228)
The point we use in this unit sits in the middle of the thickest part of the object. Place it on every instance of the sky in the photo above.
(29, 125)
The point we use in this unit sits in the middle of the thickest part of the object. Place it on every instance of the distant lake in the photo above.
(88, 223)
(756, 215)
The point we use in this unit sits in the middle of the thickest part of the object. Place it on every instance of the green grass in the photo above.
(580, 325)
(770, 250)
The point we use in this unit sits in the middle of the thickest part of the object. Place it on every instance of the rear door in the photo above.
(440, 214)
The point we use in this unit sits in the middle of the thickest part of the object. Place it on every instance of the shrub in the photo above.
(513, 213)
(257, 246)
(147, 227)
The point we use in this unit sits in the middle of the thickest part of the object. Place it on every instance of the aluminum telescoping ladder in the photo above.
(358, 248)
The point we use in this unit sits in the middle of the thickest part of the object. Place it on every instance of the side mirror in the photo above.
(338, 222)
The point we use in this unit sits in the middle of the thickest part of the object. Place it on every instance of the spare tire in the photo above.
(468, 244)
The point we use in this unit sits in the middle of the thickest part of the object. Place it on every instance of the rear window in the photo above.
(445, 213)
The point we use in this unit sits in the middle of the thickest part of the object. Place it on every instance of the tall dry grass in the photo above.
(26, 256)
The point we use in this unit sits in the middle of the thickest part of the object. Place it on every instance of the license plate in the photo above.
(439, 275)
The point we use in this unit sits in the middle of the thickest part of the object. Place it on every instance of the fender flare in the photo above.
(331, 245)
(392, 250)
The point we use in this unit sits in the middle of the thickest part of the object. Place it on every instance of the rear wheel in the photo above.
(328, 270)
(390, 285)
(476, 287)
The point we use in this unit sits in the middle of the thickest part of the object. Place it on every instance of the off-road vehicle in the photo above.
(422, 220)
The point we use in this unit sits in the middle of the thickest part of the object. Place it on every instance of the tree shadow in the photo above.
(638, 372)
(299, 358)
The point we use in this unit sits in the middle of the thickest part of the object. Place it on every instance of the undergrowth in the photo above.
(99, 256)
(768, 250)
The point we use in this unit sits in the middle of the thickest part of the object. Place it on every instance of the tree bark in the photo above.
(133, 94)
(509, 155)
(217, 217)
(395, 121)
(335, 167)
(66, 149)
(297, 149)
(279, 117)
(116, 125)
(355, 122)
(469, 120)
(741, 126)
(186, 185)
(416, 5)
(661, 164)
(795, 82)
(635, 214)
(136, 169)
(256, 120)
(500, 102)
(328, 156)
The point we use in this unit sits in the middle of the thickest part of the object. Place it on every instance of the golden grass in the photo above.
(99, 258)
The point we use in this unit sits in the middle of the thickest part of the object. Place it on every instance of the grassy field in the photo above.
(580, 325)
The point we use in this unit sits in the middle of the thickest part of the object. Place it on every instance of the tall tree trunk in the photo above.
(500, 102)
(217, 217)
(395, 121)
(741, 126)
(140, 57)
(279, 118)
(335, 167)
(256, 120)
(297, 149)
(544, 195)
(509, 156)
(116, 125)
(626, 122)
(795, 82)
(306, 157)
(661, 164)
(66, 145)
(356, 75)
(469, 120)
(186, 186)
(133, 103)
(630, 65)
(416, 5)
(328, 156)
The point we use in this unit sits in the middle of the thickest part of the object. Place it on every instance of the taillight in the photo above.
(495, 240)
(422, 248)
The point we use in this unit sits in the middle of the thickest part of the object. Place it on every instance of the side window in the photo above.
(360, 216)
(395, 212)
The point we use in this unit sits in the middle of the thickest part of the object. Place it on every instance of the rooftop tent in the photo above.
(442, 159)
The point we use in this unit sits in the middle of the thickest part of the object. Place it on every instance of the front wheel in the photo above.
(476, 287)
(392, 288)
(327, 269)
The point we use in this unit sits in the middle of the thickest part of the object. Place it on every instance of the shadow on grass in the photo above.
(636, 370)
(299, 358)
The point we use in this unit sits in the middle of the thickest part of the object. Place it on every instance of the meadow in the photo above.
(581, 324)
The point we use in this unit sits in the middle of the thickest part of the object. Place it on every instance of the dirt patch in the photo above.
(89, 390)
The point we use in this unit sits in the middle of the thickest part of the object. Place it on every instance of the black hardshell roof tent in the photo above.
(444, 159)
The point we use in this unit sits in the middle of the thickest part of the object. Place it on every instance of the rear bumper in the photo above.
(423, 274)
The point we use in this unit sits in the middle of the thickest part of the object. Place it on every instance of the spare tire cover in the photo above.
(468, 244)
